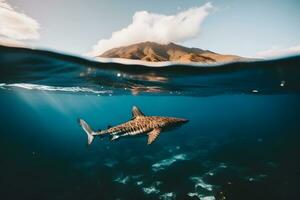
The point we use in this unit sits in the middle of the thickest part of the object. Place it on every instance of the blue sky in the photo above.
(242, 27)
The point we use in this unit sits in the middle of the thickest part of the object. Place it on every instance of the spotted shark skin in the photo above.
(139, 124)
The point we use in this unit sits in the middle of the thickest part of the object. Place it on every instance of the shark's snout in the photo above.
(181, 121)
(185, 120)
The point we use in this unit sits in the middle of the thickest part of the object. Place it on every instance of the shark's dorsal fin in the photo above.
(153, 135)
(136, 112)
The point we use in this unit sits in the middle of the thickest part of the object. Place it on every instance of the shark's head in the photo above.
(172, 122)
(180, 121)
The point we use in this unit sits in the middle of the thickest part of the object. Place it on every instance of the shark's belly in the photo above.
(134, 130)
(138, 132)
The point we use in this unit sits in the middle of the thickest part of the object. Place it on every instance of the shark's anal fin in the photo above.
(136, 112)
(153, 135)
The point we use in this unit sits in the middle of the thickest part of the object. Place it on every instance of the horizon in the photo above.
(225, 27)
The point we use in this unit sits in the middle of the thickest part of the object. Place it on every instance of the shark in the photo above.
(139, 124)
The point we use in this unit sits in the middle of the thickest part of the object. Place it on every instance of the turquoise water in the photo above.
(241, 141)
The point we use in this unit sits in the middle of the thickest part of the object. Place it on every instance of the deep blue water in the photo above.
(241, 141)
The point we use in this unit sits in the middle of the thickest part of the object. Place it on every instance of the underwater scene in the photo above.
(241, 140)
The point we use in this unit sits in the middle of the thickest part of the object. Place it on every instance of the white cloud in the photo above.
(15, 26)
(279, 52)
(10, 42)
(158, 28)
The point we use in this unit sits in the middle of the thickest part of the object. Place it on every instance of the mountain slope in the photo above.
(154, 52)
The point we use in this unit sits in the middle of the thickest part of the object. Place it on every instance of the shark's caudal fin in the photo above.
(88, 130)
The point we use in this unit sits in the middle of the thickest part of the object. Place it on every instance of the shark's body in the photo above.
(138, 125)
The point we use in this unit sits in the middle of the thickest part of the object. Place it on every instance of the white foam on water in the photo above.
(216, 169)
(139, 183)
(193, 194)
(151, 190)
(222, 165)
(201, 197)
(161, 165)
(29, 86)
(168, 196)
(135, 179)
(122, 180)
(199, 186)
(208, 198)
(210, 173)
(200, 183)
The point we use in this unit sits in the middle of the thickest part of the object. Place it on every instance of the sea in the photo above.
(241, 141)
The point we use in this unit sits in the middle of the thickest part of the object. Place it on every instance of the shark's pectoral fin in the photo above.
(153, 135)
(136, 112)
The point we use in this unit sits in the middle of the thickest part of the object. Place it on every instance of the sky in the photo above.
(256, 28)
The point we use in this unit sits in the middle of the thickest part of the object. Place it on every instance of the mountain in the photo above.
(154, 52)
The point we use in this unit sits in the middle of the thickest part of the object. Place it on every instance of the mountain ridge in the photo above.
(155, 52)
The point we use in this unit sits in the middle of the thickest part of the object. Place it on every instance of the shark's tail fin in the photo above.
(87, 129)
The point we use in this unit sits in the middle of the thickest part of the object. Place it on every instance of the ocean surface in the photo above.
(241, 141)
